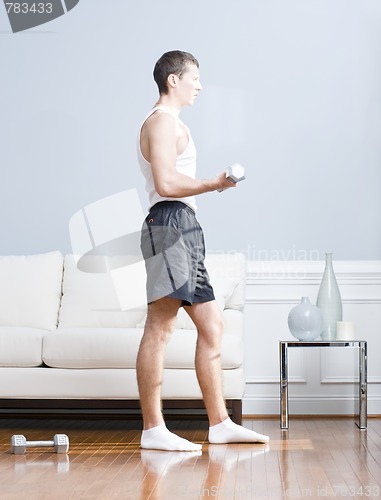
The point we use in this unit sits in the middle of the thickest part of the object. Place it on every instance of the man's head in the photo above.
(174, 62)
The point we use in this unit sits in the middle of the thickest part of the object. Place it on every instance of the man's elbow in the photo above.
(165, 189)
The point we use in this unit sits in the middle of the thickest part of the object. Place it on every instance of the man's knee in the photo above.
(157, 330)
(161, 317)
(211, 332)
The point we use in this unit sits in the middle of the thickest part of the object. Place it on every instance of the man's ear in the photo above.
(172, 80)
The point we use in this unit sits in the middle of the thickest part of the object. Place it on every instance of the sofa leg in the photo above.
(236, 415)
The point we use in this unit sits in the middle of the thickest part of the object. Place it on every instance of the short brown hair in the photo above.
(171, 63)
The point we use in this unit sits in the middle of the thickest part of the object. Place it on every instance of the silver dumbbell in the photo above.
(19, 444)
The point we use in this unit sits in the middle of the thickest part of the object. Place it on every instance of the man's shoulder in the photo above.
(160, 119)
(159, 126)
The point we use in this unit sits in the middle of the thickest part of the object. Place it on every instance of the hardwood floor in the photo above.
(315, 458)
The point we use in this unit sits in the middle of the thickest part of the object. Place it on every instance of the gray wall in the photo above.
(292, 90)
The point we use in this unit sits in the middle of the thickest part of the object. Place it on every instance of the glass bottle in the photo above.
(329, 300)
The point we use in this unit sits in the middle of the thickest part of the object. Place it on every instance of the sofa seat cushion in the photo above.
(118, 348)
(21, 346)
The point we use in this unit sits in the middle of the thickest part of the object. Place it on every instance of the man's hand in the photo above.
(224, 182)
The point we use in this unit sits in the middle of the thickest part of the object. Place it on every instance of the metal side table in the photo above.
(361, 345)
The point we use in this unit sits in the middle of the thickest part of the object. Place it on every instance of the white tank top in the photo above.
(185, 164)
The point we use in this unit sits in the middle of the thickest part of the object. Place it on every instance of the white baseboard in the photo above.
(309, 406)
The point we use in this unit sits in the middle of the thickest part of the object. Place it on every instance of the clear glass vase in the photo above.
(329, 301)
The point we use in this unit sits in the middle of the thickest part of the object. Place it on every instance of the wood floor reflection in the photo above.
(315, 458)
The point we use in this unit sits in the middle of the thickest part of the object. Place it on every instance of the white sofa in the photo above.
(65, 342)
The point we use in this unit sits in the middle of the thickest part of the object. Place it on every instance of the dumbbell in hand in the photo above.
(19, 444)
(236, 173)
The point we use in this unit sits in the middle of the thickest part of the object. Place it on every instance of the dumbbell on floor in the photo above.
(19, 444)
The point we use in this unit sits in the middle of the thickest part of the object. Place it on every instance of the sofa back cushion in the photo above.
(30, 290)
(227, 273)
(90, 300)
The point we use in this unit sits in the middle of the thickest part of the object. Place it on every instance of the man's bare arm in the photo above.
(161, 135)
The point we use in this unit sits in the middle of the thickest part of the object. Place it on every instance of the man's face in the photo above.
(188, 86)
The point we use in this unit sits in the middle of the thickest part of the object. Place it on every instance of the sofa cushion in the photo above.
(90, 300)
(118, 348)
(228, 277)
(21, 346)
(30, 290)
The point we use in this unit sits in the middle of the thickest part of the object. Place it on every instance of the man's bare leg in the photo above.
(149, 366)
(207, 318)
(209, 324)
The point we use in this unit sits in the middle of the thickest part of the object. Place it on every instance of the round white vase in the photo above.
(305, 321)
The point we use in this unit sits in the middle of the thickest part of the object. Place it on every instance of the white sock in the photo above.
(229, 432)
(160, 462)
(230, 455)
(160, 438)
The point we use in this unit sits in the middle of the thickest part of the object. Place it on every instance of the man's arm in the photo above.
(161, 135)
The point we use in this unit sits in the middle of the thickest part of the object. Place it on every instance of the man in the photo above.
(173, 248)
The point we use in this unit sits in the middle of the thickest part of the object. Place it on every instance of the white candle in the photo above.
(345, 330)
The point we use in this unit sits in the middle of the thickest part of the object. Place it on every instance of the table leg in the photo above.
(363, 389)
(283, 385)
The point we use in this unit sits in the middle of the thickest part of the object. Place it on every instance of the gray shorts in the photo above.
(173, 248)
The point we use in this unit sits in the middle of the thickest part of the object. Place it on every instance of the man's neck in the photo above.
(168, 104)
